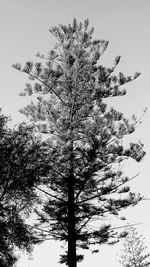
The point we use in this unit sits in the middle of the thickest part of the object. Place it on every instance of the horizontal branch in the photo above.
(37, 228)
(112, 229)
(98, 195)
(49, 194)
(105, 211)
(43, 230)
(127, 225)
(90, 217)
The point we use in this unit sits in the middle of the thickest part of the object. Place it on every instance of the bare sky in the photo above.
(125, 24)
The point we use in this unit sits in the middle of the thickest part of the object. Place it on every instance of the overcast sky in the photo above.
(24, 26)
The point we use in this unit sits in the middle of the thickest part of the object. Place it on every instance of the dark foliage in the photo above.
(20, 160)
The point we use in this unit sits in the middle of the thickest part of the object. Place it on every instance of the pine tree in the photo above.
(133, 252)
(84, 139)
(20, 160)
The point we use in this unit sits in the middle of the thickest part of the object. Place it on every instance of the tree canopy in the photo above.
(84, 139)
(20, 160)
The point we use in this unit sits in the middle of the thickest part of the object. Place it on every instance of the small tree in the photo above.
(134, 250)
(20, 160)
(84, 139)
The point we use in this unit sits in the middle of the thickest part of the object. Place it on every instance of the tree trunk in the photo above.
(72, 260)
(71, 225)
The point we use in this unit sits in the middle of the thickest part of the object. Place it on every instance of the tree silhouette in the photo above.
(20, 159)
(133, 252)
(84, 139)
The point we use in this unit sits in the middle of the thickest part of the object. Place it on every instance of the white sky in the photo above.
(125, 24)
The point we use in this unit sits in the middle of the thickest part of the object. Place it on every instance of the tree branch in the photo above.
(44, 83)
(53, 196)
(116, 187)
(105, 211)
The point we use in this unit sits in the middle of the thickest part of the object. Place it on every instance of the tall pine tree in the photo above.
(134, 250)
(84, 139)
